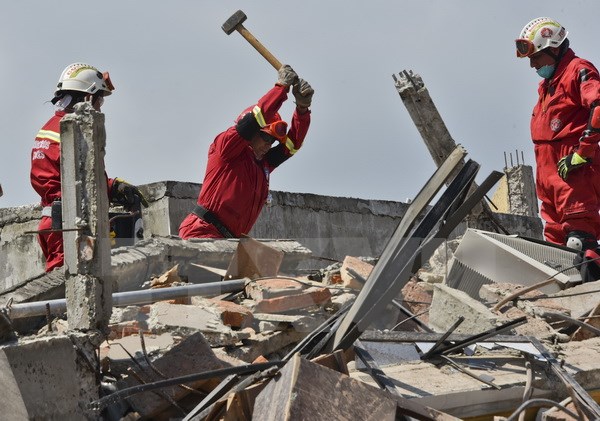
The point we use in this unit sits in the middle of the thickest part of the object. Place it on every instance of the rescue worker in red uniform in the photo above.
(78, 82)
(565, 131)
(241, 160)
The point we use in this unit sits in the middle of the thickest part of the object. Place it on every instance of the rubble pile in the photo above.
(441, 355)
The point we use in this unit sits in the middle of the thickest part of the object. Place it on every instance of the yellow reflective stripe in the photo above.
(259, 116)
(49, 134)
(290, 145)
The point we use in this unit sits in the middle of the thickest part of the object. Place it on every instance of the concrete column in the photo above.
(436, 136)
(85, 219)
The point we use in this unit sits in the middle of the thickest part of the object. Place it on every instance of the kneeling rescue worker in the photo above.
(77, 83)
(241, 160)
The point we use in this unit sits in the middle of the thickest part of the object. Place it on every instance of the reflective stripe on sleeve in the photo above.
(290, 145)
(48, 134)
(259, 116)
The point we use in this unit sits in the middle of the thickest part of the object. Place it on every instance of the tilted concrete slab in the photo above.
(304, 388)
(45, 378)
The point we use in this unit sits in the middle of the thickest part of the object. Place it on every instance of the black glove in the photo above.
(127, 195)
(303, 93)
(569, 163)
(286, 76)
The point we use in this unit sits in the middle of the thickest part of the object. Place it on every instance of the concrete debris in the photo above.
(267, 320)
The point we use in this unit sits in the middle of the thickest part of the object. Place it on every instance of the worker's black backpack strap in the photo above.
(212, 219)
(247, 126)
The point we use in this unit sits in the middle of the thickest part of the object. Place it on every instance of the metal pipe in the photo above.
(120, 299)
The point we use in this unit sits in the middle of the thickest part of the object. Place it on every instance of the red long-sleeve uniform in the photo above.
(45, 179)
(558, 123)
(236, 184)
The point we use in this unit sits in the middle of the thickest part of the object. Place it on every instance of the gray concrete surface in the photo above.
(331, 227)
(44, 378)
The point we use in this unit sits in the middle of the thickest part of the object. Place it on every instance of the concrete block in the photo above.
(265, 344)
(192, 355)
(305, 390)
(312, 296)
(299, 322)
(358, 266)
(231, 314)
(534, 327)
(272, 287)
(164, 316)
(448, 304)
(580, 299)
(45, 378)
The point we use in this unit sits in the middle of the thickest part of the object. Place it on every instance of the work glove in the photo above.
(127, 195)
(569, 163)
(287, 76)
(303, 93)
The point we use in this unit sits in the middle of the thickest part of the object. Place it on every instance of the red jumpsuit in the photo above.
(558, 123)
(236, 185)
(45, 179)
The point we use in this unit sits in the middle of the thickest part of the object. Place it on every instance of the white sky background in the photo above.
(180, 80)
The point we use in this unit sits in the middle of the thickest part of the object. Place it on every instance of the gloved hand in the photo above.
(126, 194)
(287, 76)
(570, 162)
(303, 93)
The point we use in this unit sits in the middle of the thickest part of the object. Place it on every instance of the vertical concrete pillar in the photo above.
(85, 219)
(521, 190)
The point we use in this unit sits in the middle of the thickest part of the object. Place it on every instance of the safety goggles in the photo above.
(525, 48)
(276, 131)
(106, 78)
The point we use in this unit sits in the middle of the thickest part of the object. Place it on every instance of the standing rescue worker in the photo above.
(565, 129)
(241, 160)
(77, 83)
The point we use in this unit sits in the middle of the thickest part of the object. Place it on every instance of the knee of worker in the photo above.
(581, 241)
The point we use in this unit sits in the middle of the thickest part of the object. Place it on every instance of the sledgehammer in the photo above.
(235, 23)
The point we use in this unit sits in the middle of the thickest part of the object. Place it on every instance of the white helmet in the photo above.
(538, 34)
(84, 78)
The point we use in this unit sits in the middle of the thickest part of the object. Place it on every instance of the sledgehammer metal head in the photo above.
(236, 19)
(235, 23)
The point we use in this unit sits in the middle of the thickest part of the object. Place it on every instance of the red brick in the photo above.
(309, 297)
(417, 299)
(233, 314)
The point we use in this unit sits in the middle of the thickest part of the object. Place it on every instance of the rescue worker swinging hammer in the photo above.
(242, 158)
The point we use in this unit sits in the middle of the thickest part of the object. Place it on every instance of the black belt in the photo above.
(212, 219)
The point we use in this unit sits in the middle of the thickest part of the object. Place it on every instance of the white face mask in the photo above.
(64, 101)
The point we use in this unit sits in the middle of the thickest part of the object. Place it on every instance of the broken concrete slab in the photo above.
(265, 344)
(304, 388)
(50, 367)
(192, 355)
(301, 322)
(164, 316)
(262, 289)
(456, 393)
(580, 299)
(448, 304)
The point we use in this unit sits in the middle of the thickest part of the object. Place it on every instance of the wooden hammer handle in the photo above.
(259, 47)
